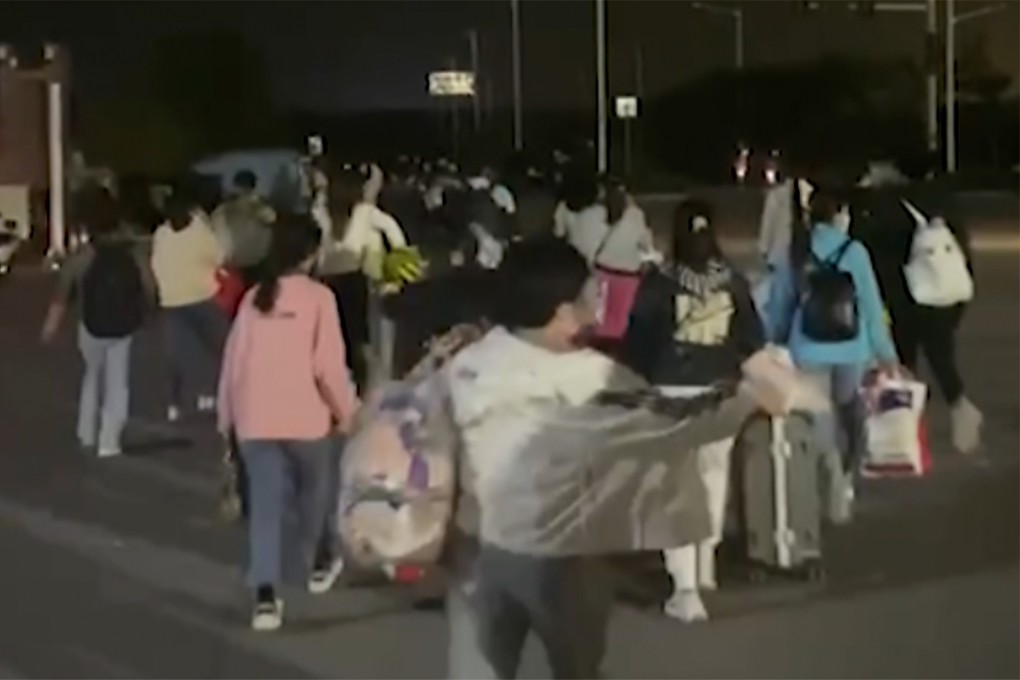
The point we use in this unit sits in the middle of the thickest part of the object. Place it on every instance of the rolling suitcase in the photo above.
(779, 462)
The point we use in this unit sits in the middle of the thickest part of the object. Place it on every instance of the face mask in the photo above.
(842, 221)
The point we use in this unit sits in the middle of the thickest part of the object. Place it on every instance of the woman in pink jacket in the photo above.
(284, 391)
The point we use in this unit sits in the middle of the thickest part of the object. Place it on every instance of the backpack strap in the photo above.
(837, 257)
(833, 260)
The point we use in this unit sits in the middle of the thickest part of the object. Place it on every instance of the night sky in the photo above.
(359, 55)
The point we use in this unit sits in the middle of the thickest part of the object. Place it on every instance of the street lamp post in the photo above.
(952, 19)
(476, 102)
(515, 27)
(600, 77)
(737, 14)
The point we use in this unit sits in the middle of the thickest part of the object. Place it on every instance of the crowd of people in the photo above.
(572, 287)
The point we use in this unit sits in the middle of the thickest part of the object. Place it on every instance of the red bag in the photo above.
(617, 291)
(872, 471)
(231, 290)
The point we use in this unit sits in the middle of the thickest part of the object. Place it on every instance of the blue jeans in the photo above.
(105, 389)
(329, 547)
(195, 337)
(840, 431)
(288, 483)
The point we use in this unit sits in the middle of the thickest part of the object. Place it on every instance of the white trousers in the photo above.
(692, 566)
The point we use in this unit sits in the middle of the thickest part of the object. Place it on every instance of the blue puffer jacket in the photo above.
(873, 341)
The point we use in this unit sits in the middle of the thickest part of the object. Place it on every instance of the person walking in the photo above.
(111, 283)
(825, 304)
(351, 255)
(883, 223)
(285, 391)
(692, 326)
(185, 260)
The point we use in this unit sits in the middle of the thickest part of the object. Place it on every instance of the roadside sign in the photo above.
(627, 107)
(452, 84)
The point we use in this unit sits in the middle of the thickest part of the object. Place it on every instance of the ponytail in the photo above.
(616, 203)
(294, 240)
(267, 291)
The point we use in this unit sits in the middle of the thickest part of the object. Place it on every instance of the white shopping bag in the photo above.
(893, 425)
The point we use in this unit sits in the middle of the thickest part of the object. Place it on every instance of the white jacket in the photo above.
(777, 220)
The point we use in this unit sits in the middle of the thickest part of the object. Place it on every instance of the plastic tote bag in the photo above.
(398, 470)
(895, 437)
(936, 273)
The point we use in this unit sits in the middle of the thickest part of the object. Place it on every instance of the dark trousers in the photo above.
(351, 293)
(195, 337)
(566, 601)
(933, 331)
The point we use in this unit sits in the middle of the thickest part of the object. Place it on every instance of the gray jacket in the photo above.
(587, 477)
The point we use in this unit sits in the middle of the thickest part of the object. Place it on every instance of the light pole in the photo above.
(952, 19)
(477, 104)
(737, 14)
(931, 65)
(600, 77)
(515, 27)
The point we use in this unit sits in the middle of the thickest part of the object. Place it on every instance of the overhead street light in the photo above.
(737, 15)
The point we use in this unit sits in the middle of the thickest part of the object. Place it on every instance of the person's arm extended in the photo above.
(70, 275)
(665, 427)
(225, 397)
(781, 304)
(872, 306)
(389, 227)
(330, 364)
(769, 226)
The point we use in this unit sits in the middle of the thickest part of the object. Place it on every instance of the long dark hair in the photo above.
(800, 230)
(616, 199)
(295, 239)
(346, 190)
(822, 208)
(580, 189)
(694, 244)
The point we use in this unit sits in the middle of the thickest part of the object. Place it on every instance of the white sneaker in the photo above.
(267, 616)
(323, 580)
(966, 421)
(109, 452)
(686, 606)
(173, 414)
(206, 404)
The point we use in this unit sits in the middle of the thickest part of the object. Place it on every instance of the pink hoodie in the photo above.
(285, 373)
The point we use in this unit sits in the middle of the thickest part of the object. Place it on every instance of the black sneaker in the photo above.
(268, 612)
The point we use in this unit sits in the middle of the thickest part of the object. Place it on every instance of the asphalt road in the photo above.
(119, 568)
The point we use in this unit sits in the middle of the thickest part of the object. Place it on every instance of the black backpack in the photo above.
(829, 303)
(113, 297)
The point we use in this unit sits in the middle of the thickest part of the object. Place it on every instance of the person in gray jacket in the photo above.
(555, 472)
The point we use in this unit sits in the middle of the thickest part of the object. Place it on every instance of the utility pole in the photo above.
(950, 86)
(639, 90)
(600, 77)
(515, 24)
(952, 19)
(931, 64)
(454, 118)
(475, 101)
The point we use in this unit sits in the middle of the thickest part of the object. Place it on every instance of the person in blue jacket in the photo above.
(836, 366)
